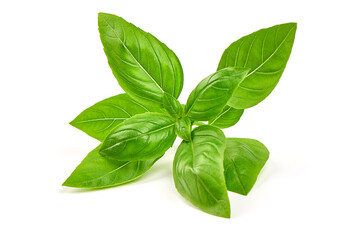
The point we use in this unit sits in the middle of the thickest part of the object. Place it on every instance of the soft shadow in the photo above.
(239, 205)
(161, 169)
(244, 205)
(77, 190)
(267, 172)
(158, 171)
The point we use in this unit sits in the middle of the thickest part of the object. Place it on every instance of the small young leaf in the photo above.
(97, 172)
(144, 67)
(211, 95)
(227, 118)
(183, 128)
(98, 120)
(172, 106)
(142, 137)
(198, 171)
(266, 53)
(243, 161)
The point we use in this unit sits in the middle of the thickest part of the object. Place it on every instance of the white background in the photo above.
(52, 67)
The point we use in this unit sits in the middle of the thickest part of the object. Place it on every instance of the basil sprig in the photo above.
(137, 128)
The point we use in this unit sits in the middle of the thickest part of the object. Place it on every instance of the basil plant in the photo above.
(136, 128)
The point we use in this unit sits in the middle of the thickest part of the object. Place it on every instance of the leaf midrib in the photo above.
(282, 42)
(102, 176)
(133, 55)
(140, 135)
(220, 115)
(238, 175)
(197, 174)
(202, 91)
(100, 119)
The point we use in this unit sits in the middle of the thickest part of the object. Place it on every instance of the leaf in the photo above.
(198, 123)
(97, 172)
(183, 128)
(243, 161)
(227, 118)
(172, 106)
(98, 120)
(266, 53)
(198, 171)
(142, 137)
(210, 96)
(144, 67)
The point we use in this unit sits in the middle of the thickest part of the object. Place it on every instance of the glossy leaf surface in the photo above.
(183, 128)
(198, 171)
(98, 120)
(227, 118)
(172, 106)
(142, 137)
(144, 67)
(210, 96)
(266, 53)
(97, 172)
(243, 161)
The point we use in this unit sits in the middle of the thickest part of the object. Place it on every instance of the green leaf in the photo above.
(227, 118)
(144, 67)
(198, 123)
(266, 53)
(243, 161)
(98, 120)
(183, 128)
(97, 172)
(199, 173)
(172, 106)
(210, 96)
(142, 137)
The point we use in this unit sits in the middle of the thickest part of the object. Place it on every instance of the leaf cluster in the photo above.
(135, 129)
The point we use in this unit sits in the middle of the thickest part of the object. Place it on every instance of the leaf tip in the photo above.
(71, 182)
(102, 18)
(72, 123)
(66, 183)
(103, 151)
(102, 14)
(293, 25)
(226, 213)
